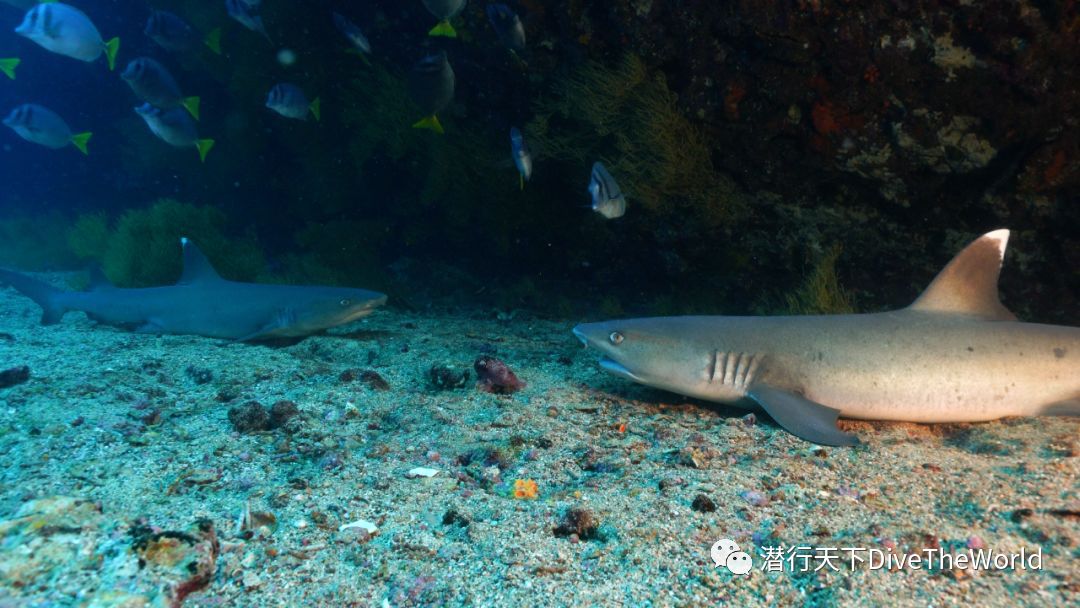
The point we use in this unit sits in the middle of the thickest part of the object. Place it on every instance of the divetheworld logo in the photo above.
(726, 554)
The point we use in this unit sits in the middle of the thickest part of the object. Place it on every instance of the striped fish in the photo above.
(607, 198)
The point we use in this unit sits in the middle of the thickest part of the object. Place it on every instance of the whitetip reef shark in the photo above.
(955, 355)
(202, 303)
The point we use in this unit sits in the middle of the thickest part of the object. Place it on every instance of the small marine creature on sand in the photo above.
(494, 376)
(247, 15)
(174, 34)
(356, 37)
(175, 127)
(65, 30)
(431, 86)
(508, 26)
(8, 65)
(444, 10)
(289, 101)
(42, 126)
(607, 199)
(153, 84)
(519, 151)
(525, 489)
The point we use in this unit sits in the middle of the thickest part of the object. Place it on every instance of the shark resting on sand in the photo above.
(955, 355)
(204, 304)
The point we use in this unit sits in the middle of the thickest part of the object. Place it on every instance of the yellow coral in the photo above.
(525, 489)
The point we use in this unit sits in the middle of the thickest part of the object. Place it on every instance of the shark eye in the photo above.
(615, 338)
(345, 302)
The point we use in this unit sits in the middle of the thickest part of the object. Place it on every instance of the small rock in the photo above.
(13, 376)
(453, 518)
(755, 498)
(374, 380)
(362, 524)
(444, 378)
(494, 376)
(281, 412)
(579, 522)
(199, 375)
(703, 504)
(250, 417)
(251, 580)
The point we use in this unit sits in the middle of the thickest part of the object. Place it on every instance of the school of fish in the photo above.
(171, 115)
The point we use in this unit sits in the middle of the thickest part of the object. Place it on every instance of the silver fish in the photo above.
(519, 150)
(289, 101)
(175, 127)
(42, 126)
(444, 10)
(508, 26)
(607, 198)
(67, 31)
(153, 83)
(431, 86)
(353, 33)
(246, 15)
(174, 34)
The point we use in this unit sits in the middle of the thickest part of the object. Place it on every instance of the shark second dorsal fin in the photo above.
(968, 285)
(197, 269)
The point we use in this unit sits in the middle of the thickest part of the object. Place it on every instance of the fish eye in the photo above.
(615, 338)
(345, 302)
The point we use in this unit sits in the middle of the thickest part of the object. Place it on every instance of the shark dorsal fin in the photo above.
(968, 285)
(98, 280)
(197, 269)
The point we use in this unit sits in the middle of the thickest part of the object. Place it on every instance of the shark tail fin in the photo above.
(204, 146)
(7, 66)
(191, 104)
(43, 294)
(968, 285)
(213, 40)
(79, 140)
(316, 109)
(443, 28)
(112, 47)
(431, 122)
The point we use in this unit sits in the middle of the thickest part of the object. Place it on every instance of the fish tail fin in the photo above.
(443, 28)
(191, 104)
(79, 140)
(204, 146)
(7, 66)
(112, 47)
(43, 294)
(316, 109)
(213, 40)
(431, 122)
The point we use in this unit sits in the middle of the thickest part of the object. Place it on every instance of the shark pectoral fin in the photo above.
(1069, 407)
(801, 417)
(150, 327)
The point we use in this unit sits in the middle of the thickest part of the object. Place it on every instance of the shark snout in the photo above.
(581, 336)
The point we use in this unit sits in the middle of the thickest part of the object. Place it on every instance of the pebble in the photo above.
(13, 376)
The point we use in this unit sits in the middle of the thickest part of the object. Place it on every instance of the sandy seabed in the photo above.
(126, 482)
